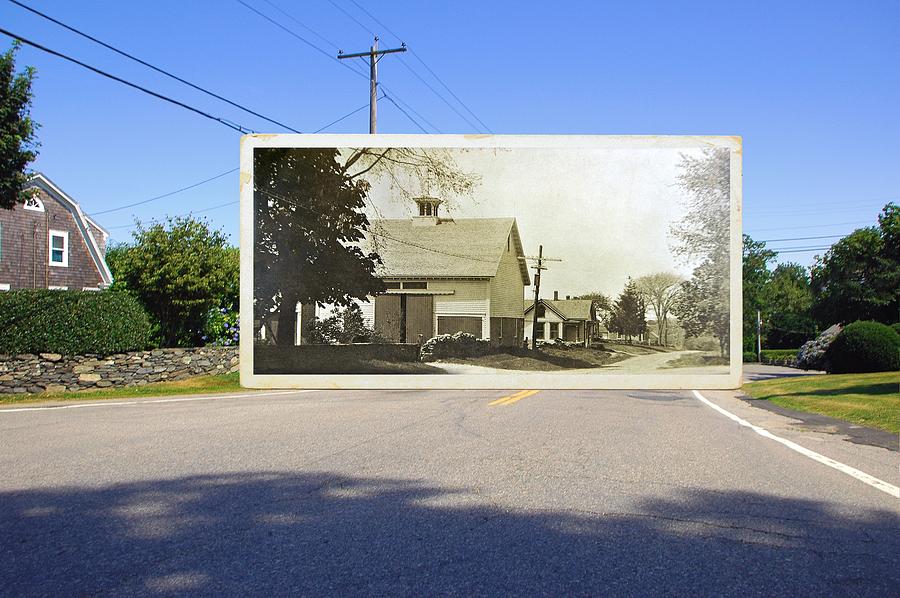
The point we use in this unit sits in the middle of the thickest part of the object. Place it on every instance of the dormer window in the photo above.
(35, 204)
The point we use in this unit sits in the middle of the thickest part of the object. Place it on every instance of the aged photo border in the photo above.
(479, 381)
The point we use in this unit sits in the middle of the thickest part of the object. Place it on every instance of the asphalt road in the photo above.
(440, 492)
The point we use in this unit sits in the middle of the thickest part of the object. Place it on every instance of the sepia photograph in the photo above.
(569, 261)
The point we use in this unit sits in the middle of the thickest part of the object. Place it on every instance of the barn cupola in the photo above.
(428, 210)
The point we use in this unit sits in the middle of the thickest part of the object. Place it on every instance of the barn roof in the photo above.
(570, 309)
(457, 248)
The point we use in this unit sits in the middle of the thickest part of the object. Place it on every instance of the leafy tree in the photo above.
(179, 270)
(858, 278)
(756, 277)
(344, 326)
(661, 291)
(628, 314)
(18, 146)
(310, 225)
(787, 302)
(699, 305)
(602, 306)
(703, 236)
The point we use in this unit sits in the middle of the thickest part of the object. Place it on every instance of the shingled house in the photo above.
(572, 320)
(447, 275)
(49, 243)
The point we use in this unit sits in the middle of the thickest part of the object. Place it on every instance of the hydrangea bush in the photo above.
(460, 344)
(223, 328)
(812, 354)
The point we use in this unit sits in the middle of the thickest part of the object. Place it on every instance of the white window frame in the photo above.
(57, 288)
(38, 204)
(4, 286)
(65, 237)
(90, 289)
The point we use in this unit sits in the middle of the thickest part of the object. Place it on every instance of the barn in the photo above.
(446, 275)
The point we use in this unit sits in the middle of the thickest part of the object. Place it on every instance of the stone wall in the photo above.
(51, 372)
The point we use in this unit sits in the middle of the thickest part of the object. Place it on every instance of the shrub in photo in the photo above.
(71, 322)
(812, 354)
(864, 347)
(460, 344)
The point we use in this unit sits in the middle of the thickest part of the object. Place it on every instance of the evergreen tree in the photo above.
(18, 146)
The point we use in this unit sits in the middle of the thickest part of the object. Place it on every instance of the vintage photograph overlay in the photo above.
(575, 259)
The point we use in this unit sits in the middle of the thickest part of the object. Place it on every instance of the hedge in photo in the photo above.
(864, 347)
(71, 322)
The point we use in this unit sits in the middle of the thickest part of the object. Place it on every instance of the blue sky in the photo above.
(813, 88)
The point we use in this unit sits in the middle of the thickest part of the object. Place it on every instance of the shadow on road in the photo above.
(271, 533)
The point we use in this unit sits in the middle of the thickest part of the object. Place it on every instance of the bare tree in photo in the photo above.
(661, 291)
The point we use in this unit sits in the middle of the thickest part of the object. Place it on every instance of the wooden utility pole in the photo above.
(374, 55)
(539, 265)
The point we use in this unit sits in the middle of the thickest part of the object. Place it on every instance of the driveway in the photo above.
(639, 364)
(437, 492)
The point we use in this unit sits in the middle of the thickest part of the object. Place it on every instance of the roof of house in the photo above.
(458, 248)
(81, 220)
(569, 309)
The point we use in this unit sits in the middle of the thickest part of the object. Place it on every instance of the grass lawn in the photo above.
(221, 383)
(866, 399)
(547, 359)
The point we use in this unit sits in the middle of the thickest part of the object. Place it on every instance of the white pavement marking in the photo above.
(851, 471)
(101, 403)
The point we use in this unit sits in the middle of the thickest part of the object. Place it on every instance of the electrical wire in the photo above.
(422, 61)
(151, 66)
(227, 123)
(170, 193)
(414, 121)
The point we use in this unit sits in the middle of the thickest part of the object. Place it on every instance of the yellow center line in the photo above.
(509, 400)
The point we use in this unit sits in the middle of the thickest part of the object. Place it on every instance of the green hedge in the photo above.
(787, 357)
(864, 347)
(896, 327)
(71, 322)
(749, 357)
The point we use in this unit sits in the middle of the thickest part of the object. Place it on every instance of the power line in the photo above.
(301, 38)
(346, 116)
(137, 203)
(433, 74)
(414, 121)
(209, 209)
(155, 68)
(802, 250)
(812, 226)
(170, 193)
(377, 233)
(227, 123)
(343, 63)
(802, 238)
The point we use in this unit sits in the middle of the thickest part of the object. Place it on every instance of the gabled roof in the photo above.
(459, 248)
(568, 309)
(42, 182)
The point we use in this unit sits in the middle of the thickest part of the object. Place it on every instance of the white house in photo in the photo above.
(445, 275)
(572, 320)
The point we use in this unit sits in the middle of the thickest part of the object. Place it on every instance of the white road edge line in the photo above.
(851, 471)
(101, 403)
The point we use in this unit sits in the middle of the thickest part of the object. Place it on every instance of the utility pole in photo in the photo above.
(539, 265)
(758, 336)
(374, 55)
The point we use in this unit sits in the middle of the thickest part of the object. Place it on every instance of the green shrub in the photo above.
(896, 327)
(71, 322)
(749, 357)
(864, 347)
(786, 357)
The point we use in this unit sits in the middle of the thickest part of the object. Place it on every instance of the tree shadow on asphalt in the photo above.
(274, 533)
